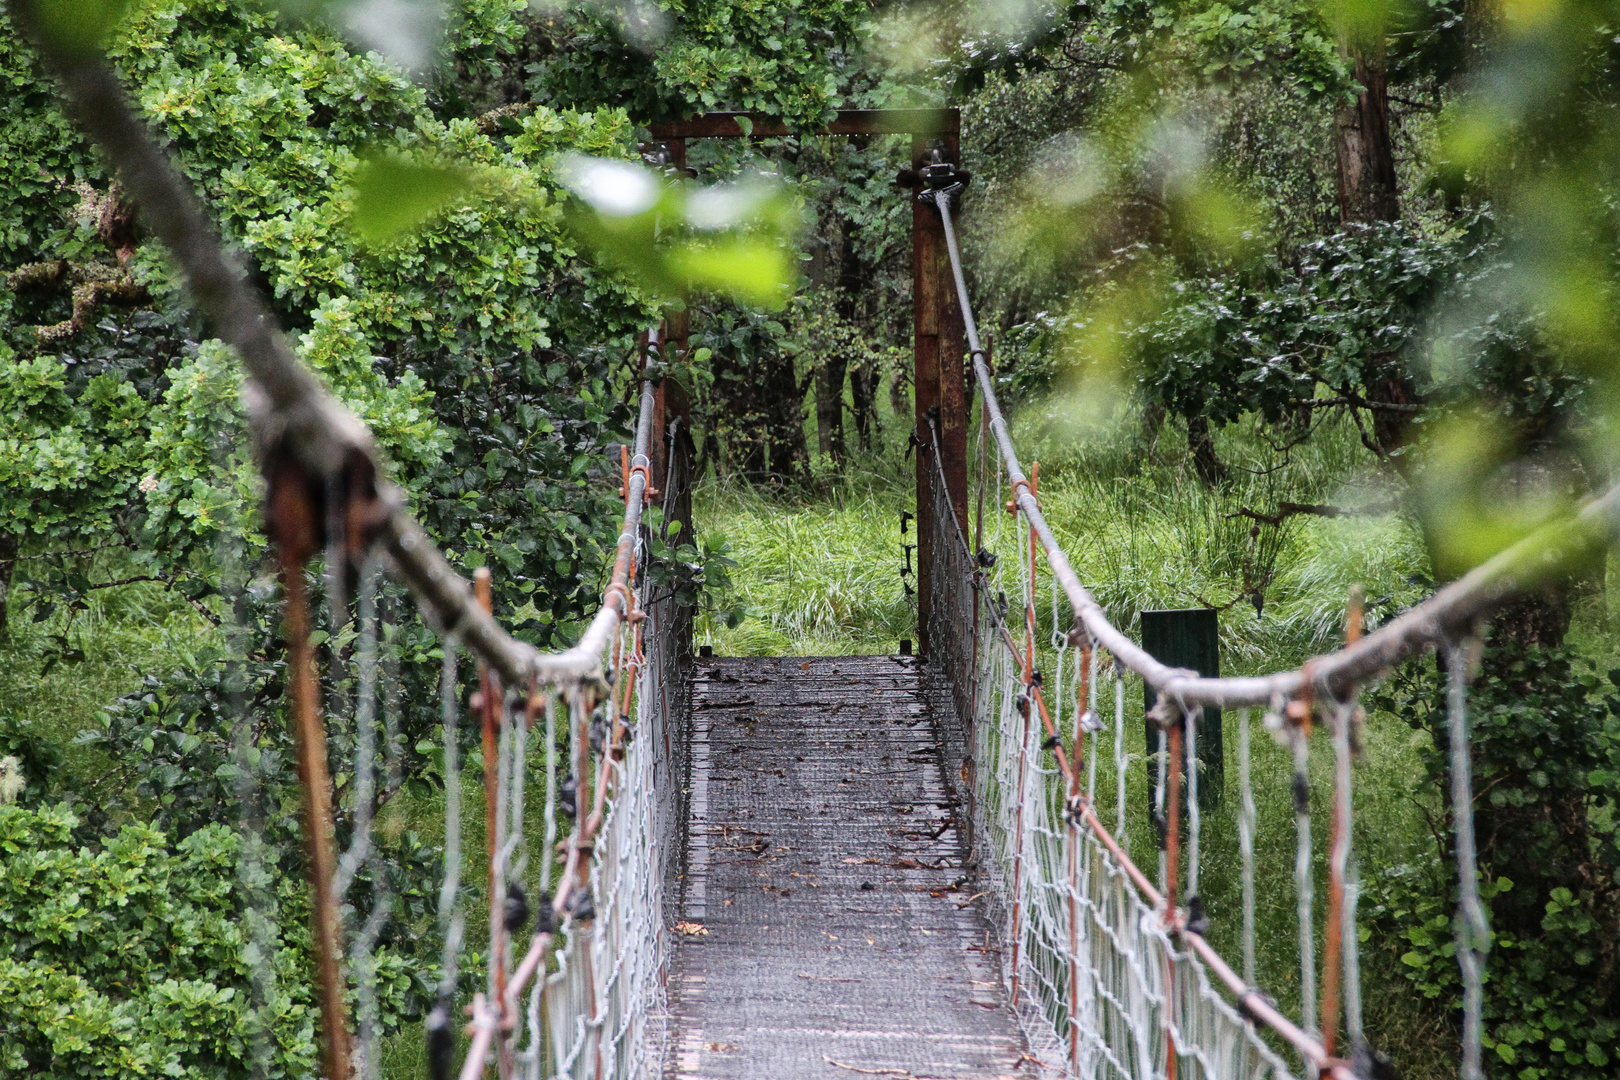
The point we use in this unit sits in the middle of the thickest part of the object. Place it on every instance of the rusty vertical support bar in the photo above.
(1173, 846)
(927, 284)
(657, 445)
(954, 370)
(293, 525)
(677, 406)
(670, 401)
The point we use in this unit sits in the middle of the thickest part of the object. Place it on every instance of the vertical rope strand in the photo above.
(1246, 818)
(1352, 958)
(1194, 818)
(1094, 728)
(1304, 886)
(1161, 760)
(450, 917)
(361, 852)
(1119, 755)
(1333, 945)
(1473, 929)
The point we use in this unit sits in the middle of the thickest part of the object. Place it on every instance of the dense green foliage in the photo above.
(424, 258)
(132, 960)
(1546, 736)
(478, 315)
(669, 59)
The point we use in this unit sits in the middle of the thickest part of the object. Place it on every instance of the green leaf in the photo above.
(78, 27)
(733, 240)
(393, 196)
(753, 271)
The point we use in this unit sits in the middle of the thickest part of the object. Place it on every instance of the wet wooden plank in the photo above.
(824, 863)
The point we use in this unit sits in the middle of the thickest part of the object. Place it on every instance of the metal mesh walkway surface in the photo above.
(829, 924)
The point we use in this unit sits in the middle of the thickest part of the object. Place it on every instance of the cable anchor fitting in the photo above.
(941, 179)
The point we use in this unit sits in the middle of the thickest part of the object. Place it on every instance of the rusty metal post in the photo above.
(927, 240)
(954, 369)
(939, 354)
(293, 524)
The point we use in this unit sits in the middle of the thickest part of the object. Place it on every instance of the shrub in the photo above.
(1545, 735)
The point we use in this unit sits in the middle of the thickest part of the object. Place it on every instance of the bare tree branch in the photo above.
(1286, 510)
(1361, 403)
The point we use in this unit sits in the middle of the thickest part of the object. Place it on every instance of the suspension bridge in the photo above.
(823, 867)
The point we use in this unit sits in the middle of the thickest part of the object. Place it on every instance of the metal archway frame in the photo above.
(940, 384)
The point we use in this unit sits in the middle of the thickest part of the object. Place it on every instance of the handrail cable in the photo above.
(1450, 613)
(1253, 1001)
(295, 420)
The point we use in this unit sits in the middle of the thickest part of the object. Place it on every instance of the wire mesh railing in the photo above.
(592, 1005)
(1101, 987)
(1109, 966)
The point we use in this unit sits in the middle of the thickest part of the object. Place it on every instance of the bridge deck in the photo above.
(843, 938)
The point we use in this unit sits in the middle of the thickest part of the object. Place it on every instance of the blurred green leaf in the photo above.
(735, 240)
(78, 27)
(753, 271)
(408, 32)
(393, 196)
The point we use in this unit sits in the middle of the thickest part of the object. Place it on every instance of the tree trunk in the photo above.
(1482, 20)
(1366, 156)
(830, 407)
(1392, 431)
(1153, 416)
(863, 388)
(783, 408)
(900, 390)
(1202, 444)
(8, 567)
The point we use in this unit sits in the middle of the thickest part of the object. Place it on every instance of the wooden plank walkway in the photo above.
(824, 863)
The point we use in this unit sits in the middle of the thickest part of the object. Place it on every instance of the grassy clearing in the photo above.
(124, 634)
(820, 577)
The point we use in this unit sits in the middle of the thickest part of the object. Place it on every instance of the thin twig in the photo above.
(1286, 510)
(866, 1072)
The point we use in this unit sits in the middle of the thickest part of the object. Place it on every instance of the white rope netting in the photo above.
(1101, 988)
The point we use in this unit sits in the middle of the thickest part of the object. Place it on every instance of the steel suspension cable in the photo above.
(1472, 927)
(1171, 744)
(1450, 611)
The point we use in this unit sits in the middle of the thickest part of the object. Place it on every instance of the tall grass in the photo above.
(821, 573)
(818, 576)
